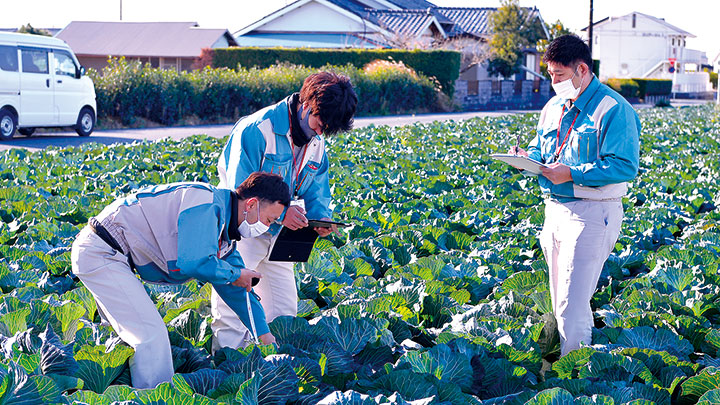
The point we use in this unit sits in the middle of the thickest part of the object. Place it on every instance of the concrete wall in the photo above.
(502, 94)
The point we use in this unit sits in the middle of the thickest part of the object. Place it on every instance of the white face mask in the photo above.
(566, 89)
(254, 230)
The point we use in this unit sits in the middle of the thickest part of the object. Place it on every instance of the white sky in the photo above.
(699, 17)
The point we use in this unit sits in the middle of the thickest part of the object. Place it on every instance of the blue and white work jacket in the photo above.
(598, 139)
(179, 231)
(262, 142)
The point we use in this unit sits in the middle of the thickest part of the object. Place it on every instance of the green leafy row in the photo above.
(438, 292)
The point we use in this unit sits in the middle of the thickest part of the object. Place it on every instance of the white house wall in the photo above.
(313, 17)
(627, 52)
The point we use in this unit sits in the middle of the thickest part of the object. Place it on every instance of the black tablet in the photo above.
(293, 246)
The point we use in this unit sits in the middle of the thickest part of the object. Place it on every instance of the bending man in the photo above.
(170, 234)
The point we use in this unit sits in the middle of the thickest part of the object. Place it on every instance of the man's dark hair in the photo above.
(331, 97)
(264, 186)
(568, 50)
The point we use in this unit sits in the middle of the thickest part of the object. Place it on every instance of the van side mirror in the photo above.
(80, 72)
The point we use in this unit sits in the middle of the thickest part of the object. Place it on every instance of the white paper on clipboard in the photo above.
(522, 162)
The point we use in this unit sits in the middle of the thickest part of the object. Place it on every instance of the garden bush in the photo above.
(626, 87)
(129, 90)
(443, 65)
(653, 87)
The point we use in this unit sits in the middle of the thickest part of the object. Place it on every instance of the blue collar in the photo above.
(585, 97)
(281, 120)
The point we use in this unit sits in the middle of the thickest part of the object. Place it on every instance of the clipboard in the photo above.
(522, 162)
(293, 246)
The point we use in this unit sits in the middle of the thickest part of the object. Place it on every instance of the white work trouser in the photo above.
(277, 291)
(577, 239)
(121, 297)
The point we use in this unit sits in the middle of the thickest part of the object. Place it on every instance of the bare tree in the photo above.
(474, 50)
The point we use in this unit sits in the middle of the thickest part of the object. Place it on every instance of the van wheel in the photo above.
(85, 122)
(8, 124)
(26, 131)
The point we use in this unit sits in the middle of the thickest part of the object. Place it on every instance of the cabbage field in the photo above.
(437, 295)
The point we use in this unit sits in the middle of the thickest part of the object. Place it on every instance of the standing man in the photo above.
(284, 138)
(588, 135)
(169, 234)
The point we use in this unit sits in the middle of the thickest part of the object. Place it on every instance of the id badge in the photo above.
(299, 202)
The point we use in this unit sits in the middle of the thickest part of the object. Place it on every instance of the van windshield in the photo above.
(64, 64)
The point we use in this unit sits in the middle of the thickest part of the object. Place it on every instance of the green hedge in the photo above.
(443, 65)
(714, 80)
(641, 87)
(626, 87)
(653, 87)
(129, 90)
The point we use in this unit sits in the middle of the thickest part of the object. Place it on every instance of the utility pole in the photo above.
(590, 30)
(120, 10)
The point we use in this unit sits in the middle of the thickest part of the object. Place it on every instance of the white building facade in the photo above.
(638, 45)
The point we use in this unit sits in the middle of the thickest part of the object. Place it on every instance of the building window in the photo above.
(673, 42)
(530, 64)
(634, 18)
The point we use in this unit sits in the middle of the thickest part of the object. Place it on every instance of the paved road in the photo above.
(44, 138)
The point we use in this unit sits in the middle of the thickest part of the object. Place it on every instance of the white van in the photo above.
(42, 85)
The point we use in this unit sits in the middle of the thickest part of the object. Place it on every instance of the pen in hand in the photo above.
(517, 143)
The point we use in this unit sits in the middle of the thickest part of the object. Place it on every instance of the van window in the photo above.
(8, 58)
(35, 61)
(64, 64)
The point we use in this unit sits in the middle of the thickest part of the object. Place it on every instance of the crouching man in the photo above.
(170, 234)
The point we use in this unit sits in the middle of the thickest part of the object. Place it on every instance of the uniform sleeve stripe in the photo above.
(267, 130)
(603, 107)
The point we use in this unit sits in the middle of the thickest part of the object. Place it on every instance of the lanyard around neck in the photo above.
(560, 147)
(298, 168)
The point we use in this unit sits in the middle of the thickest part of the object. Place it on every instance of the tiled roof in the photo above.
(404, 22)
(413, 4)
(168, 39)
(472, 21)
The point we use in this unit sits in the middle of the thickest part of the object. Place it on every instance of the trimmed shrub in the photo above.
(443, 65)
(626, 87)
(129, 90)
(714, 80)
(653, 87)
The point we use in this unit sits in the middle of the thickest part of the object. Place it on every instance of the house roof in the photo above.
(405, 22)
(656, 19)
(350, 8)
(413, 4)
(473, 21)
(412, 18)
(167, 39)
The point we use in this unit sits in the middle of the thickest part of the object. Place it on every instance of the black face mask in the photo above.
(300, 132)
